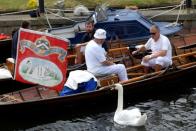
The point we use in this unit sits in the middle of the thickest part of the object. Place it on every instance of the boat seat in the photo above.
(106, 80)
(121, 55)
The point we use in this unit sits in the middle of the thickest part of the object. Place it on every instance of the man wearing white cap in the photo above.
(96, 59)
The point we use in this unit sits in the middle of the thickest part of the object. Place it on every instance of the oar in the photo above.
(184, 55)
(174, 58)
(111, 87)
(151, 75)
(186, 65)
(142, 77)
(157, 73)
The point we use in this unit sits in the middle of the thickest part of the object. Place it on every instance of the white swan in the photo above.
(127, 117)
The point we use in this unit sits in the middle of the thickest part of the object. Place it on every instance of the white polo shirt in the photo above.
(162, 43)
(94, 56)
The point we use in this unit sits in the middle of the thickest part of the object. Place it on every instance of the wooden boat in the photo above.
(126, 24)
(39, 99)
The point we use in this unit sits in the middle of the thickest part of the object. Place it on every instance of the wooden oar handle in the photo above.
(142, 77)
(184, 55)
(111, 87)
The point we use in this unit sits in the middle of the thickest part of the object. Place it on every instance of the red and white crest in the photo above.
(41, 59)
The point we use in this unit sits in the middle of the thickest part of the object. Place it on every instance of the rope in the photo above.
(49, 10)
(177, 19)
(165, 12)
(61, 16)
(46, 15)
(59, 9)
(156, 8)
(71, 10)
(18, 12)
(181, 4)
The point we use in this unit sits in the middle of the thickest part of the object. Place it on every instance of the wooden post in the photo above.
(188, 6)
(41, 6)
(188, 3)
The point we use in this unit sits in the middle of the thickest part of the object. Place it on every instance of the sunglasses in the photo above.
(152, 33)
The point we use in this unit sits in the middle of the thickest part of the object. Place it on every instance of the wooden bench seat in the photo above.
(107, 80)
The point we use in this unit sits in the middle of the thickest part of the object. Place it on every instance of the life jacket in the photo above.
(4, 36)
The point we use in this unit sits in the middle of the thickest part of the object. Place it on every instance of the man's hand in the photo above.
(107, 63)
(109, 58)
(147, 58)
(134, 52)
(80, 45)
(140, 48)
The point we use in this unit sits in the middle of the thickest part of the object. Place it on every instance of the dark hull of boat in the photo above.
(9, 85)
(143, 89)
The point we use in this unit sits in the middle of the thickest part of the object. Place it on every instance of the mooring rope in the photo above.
(52, 9)
(61, 16)
(67, 10)
(17, 12)
(157, 8)
(180, 5)
(46, 15)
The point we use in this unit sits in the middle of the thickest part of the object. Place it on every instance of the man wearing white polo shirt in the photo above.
(161, 56)
(96, 59)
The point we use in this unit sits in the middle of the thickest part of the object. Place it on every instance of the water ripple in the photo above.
(164, 114)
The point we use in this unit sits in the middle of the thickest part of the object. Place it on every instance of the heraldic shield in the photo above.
(41, 59)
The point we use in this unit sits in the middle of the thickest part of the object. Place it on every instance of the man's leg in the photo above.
(122, 72)
(157, 67)
(161, 62)
(147, 65)
(118, 69)
(79, 55)
(146, 69)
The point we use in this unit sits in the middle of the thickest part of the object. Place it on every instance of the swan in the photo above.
(127, 117)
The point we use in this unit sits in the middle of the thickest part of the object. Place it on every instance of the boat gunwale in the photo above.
(106, 90)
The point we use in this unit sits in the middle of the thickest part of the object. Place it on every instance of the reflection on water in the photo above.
(164, 114)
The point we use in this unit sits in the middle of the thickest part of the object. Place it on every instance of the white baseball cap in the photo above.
(100, 34)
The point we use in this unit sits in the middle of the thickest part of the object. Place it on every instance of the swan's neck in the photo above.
(120, 99)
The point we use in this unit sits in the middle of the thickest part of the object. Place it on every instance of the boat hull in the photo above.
(8, 85)
(136, 91)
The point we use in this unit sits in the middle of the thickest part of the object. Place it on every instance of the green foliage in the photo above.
(12, 5)
(7, 5)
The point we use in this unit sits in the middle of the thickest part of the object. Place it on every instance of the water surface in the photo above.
(166, 113)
